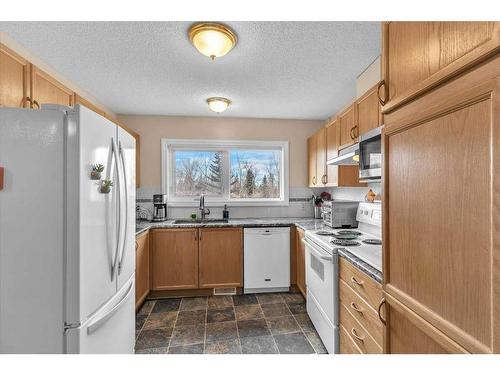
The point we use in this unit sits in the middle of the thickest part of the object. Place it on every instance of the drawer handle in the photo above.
(356, 281)
(355, 334)
(356, 308)
(380, 313)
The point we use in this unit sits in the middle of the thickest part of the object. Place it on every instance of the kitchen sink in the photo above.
(199, 221)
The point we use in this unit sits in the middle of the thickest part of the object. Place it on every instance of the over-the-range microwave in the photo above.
(370, 155)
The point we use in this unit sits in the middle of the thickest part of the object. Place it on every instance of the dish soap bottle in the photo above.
(225, 213)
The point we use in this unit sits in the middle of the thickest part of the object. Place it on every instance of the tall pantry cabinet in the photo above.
(441, 144)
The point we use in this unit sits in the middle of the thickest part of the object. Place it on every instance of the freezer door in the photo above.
(126, 262)
(31, 231)
(91, 215)
(109, 330)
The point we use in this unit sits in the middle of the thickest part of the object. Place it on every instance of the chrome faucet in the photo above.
(204, 211)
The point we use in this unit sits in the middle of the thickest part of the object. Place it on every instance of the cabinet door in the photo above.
(14, 79)
(221, 257)
(175, 259)
(301, 262)
(311, 160)
(46, 90)
(347, 123)
(441, 199)
(417, 56)
(332, 146)
(368, 111)
(142, 263)
(407, 333)
(321, 157)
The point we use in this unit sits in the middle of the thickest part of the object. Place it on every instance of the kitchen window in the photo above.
(237, 173)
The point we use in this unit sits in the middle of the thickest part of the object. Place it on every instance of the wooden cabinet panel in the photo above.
(358, 333)
(175, 259)
(365, 314)
(347, 121)
(332, 146)
(14, 79)
(142, 265)
(347, 344)
(221, 257)
(321, 157)
(368, 111)
(417, 56)
(46, 90)
(301, 262)
(311, 160)
(441, 242)
(362, 284)
(407, 333)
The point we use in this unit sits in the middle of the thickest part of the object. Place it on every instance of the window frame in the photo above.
(168, 177)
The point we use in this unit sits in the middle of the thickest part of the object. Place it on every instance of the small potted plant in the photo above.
(106, 186)
(97, 169)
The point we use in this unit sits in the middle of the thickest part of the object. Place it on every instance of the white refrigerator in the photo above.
(67, 257)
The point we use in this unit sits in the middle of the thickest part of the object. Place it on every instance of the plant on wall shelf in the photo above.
(106, 186)
(97, 169)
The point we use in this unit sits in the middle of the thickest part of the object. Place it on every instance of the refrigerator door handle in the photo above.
(125, 182)
(94, 326)
(115, 158)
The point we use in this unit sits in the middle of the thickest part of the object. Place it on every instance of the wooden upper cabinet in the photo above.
(368, 111)
(347, 123)
(311, 160)
(441, 199)
(175, 259)
(321, 157)
(89, 105)
(417, 56)
(221, 257)
(46, 90)
(332, 146)
(14, 79)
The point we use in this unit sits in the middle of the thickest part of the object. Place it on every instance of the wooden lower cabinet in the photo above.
(175, 259)
(220, 257)
(142, 266)
(301, 262)
(360, 297)
(441, 218)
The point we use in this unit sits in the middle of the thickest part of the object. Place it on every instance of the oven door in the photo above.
(370, 155)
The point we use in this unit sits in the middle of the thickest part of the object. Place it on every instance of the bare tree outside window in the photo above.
(198, 172)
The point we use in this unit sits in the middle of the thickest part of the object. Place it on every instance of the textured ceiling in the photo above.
(301, 70)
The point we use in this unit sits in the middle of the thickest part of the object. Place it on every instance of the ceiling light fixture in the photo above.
(218, 104)
(212, 39)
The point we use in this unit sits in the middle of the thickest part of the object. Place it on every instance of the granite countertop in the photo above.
(301, 222)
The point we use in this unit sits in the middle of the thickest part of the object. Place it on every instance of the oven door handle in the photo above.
(317, 253)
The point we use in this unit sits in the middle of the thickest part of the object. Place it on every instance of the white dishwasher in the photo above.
(266, 259)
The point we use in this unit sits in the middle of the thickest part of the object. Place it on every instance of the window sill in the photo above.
(283, 203)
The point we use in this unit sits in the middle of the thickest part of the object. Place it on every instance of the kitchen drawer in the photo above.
(363, 340)
(366, 287)
(362, 311)
(347, 344)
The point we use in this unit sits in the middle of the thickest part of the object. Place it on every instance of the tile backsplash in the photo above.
(300, 203)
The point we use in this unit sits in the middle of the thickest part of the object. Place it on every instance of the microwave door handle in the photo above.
(125, 188)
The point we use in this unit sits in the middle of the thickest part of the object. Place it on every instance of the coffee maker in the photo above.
(160, 207)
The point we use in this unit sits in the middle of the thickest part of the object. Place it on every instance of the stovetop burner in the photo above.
(324, 233)
(345, 243)
(346, 236)
(372, 241)
(352, 232)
